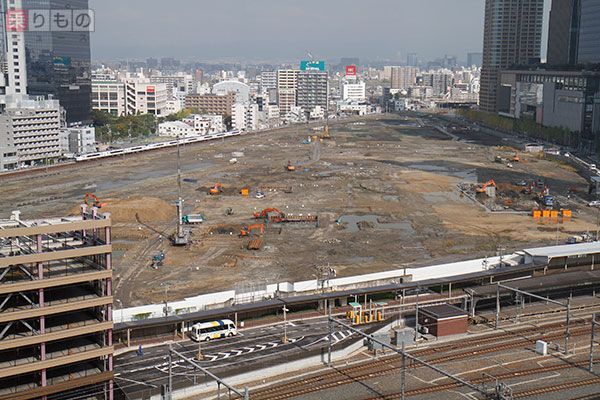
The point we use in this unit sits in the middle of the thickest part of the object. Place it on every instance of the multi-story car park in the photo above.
(56, 308)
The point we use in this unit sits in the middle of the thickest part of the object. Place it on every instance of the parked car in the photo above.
(595, 203)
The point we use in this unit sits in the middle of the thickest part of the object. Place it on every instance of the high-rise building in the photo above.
(268, 80)
(13, 77)
(287, 85)
(474, 59)
(512, 36)
(151, 63)
(199, 76)
(412, 60)
(144, 97)
(563, 32)
(313, 90)
(56, 313)
(59, 63)
(574, 32)
(33, 127)
(589, 33)
(403, 77)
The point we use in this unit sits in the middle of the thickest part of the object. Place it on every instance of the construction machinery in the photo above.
(252, 230)
(516, 158)
(192, 219)
(483, 188)
(91, 200)
(254, 244)
(182, 236)
(216, 190)
(290, 167)
(265, 214)
(158, 260)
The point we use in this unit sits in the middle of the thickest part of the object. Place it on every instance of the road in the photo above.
(251, 349)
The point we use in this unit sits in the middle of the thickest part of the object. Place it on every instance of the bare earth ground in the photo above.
(403, 175)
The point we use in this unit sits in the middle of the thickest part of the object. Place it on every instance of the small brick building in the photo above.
(443, 320)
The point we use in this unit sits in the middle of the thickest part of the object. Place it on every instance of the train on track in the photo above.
(155, 146)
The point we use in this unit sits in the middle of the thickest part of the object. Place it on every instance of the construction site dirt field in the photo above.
(386, 191)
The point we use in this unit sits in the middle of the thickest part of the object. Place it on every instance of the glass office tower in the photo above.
(59, 62)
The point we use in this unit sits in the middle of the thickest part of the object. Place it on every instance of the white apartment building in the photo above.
(32, 126)
(176, 83)
(109, 96)
(78, 140)
(176, 129)
(245, 117)
(194, 125)
(354, 91)
(287, 86)
(143, 97)
(268, 80)
(174, 106)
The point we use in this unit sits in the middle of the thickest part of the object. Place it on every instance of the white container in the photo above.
(541, 348)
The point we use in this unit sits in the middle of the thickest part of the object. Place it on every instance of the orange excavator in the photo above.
(481, 189)
(250, 230)
(290, 167)
(216, 190)
(516, 158)
(264, 214)
(91, 200)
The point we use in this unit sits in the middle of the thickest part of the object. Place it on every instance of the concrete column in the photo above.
(128, 337)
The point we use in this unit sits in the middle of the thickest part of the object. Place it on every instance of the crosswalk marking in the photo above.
(247, 350)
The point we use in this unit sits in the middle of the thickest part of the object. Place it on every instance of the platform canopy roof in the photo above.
(568, 250)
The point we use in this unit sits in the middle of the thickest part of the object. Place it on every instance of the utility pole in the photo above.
(403, 373)
(329, 338)
(497, 306)
(170, 391)
(593, 341)
(285, 337)
(568, 328)
(417, 316)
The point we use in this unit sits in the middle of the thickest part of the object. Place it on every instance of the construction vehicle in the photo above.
(192, 219)
(251, 230)
(290, 167)
(516, 158)
(91, 200)
(483, 188)
(158, 260)
(216, 190)
(265, 214)
(254, 244)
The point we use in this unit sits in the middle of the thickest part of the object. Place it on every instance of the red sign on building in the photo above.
(150, 89)
(350, 70)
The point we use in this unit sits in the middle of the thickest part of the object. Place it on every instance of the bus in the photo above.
(205, 331)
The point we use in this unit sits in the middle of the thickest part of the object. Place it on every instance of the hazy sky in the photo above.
(286, 29)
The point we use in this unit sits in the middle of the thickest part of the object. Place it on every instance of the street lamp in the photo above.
(285, 338)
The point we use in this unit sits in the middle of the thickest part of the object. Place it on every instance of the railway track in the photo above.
(558, 388)
(390, 365)
(479, 381)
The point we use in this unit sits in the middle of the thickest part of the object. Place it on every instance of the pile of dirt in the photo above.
(149, 209)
